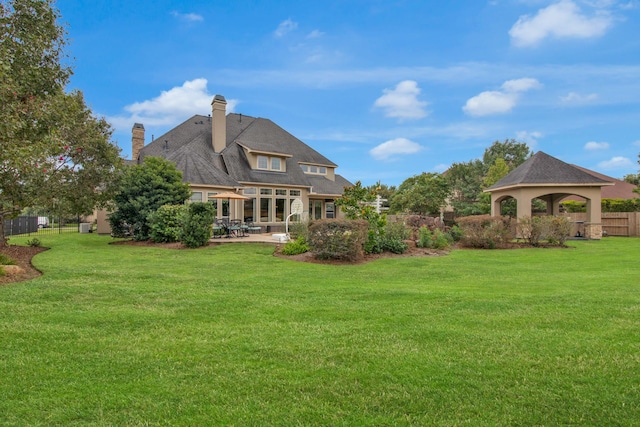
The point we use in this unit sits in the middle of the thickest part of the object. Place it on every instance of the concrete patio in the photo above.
(250, 238)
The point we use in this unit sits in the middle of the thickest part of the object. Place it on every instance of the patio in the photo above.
(249, 238)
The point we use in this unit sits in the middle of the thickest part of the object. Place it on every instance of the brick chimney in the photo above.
(219, 123)
(137, 140)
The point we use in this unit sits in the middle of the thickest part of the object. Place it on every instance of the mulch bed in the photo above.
(22, 256)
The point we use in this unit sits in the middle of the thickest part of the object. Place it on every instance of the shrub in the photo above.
(560, 230)
(456, 233)
(338, 239)
(5, 260)
(166, 223)
(35, 242)
(441, 240)
(425, 237)
(485, 231)
(295, 247)
(393, 244)
(196, 229)
(299, 229)
(532, 229)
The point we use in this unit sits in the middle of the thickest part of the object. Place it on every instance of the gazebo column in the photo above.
(593, 226)
(495, 205)
(523, 206)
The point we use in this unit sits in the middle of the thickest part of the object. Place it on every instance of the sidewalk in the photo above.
(250, 238)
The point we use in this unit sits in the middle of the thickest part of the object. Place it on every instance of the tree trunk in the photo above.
(3, 241)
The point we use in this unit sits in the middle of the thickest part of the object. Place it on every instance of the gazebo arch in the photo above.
(551, 180)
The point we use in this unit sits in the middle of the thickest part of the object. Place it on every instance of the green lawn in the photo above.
(231, 335)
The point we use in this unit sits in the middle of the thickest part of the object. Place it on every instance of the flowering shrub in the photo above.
(485, 231)
(338, 239)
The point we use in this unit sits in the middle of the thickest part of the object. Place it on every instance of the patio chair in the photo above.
(252, 228)
(219, 229)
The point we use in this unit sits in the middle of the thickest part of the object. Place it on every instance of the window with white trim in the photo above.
(270, 163)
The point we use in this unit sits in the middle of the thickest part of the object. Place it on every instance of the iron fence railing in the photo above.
(39, 225)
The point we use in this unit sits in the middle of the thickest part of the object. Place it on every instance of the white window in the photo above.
(280, 192)
(316, 170)
(305, 168)
(275, 163)
(322, 170)
(263, 162)
(196, 196)
(294, 193)
(250, 191)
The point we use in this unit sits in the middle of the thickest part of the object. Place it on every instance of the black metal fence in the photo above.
(41, 225)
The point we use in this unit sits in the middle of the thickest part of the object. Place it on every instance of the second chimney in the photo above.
(219, 123)
(137, 141)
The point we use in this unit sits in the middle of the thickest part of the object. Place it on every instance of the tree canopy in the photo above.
(422, 194)
(143, 189)
(53, 149)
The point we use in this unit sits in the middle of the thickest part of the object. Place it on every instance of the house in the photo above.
(251, 156)
(619, 190)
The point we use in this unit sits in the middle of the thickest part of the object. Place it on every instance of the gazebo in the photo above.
(546, 178)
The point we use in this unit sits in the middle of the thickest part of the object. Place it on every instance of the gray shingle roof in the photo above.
(542, 168)
(189, 146)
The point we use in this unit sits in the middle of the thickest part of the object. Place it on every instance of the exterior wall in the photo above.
(102, 225)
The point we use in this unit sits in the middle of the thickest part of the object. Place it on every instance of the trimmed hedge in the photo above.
(485, 231)
(196, 230)
(338, 239)
(165, 224)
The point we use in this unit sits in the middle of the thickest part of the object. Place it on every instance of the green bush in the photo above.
(299, 229)
(456, 233)
(35, 242)
(5, 260)
(338, 239)
(196, 229)
(295, 247)
(485, 231)
(436, 239)
(620, 205)
(393, 244)
(559, 230)
(441, 240)
(165, 224)
(574, 206)
(425, 237)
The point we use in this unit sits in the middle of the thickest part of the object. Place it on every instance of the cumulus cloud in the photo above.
(563, 19)
(394, 147)
(402, 102)
(285, 27)
(618, 162)
(171, 106)
(188, 17)
(574, 98)
(531, 138)
(499, 102)
(592, 146)
(315, 34)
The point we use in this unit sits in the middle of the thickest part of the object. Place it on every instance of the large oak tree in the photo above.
(52, 148)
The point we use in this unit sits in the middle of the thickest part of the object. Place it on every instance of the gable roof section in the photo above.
(543, 169)
(263, 135)
(188, 146)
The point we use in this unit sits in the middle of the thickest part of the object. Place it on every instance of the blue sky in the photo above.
(385, 89)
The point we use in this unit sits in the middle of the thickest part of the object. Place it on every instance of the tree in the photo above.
(469, 179)
(143, 189)
(52, 147)
(422, 194)
(514, 153)
(355, 203)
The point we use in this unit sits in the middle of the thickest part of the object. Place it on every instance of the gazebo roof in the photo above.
(543, 169)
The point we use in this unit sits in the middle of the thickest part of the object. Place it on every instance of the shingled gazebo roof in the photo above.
(542, 169)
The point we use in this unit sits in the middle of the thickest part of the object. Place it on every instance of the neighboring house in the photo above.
(619, 190)
(249, 156)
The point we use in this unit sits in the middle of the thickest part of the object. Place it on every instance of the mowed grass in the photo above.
(231, 335)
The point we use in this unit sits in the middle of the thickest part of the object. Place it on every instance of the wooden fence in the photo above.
(625, 224)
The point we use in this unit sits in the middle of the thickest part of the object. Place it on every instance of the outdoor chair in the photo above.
(252, 228)
(219, 229)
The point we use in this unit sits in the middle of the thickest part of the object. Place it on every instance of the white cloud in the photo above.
(531, 138)
(499, 102)
(521, 85)
(559, 20)
(592, 145)
(491, 102)
(285, 27)
(189, 17)
(402, 102)
(315, 34)
(399, 146)
(171, 106)
(574, 98)
(616, 163)
(637, 143)
(440, 167)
